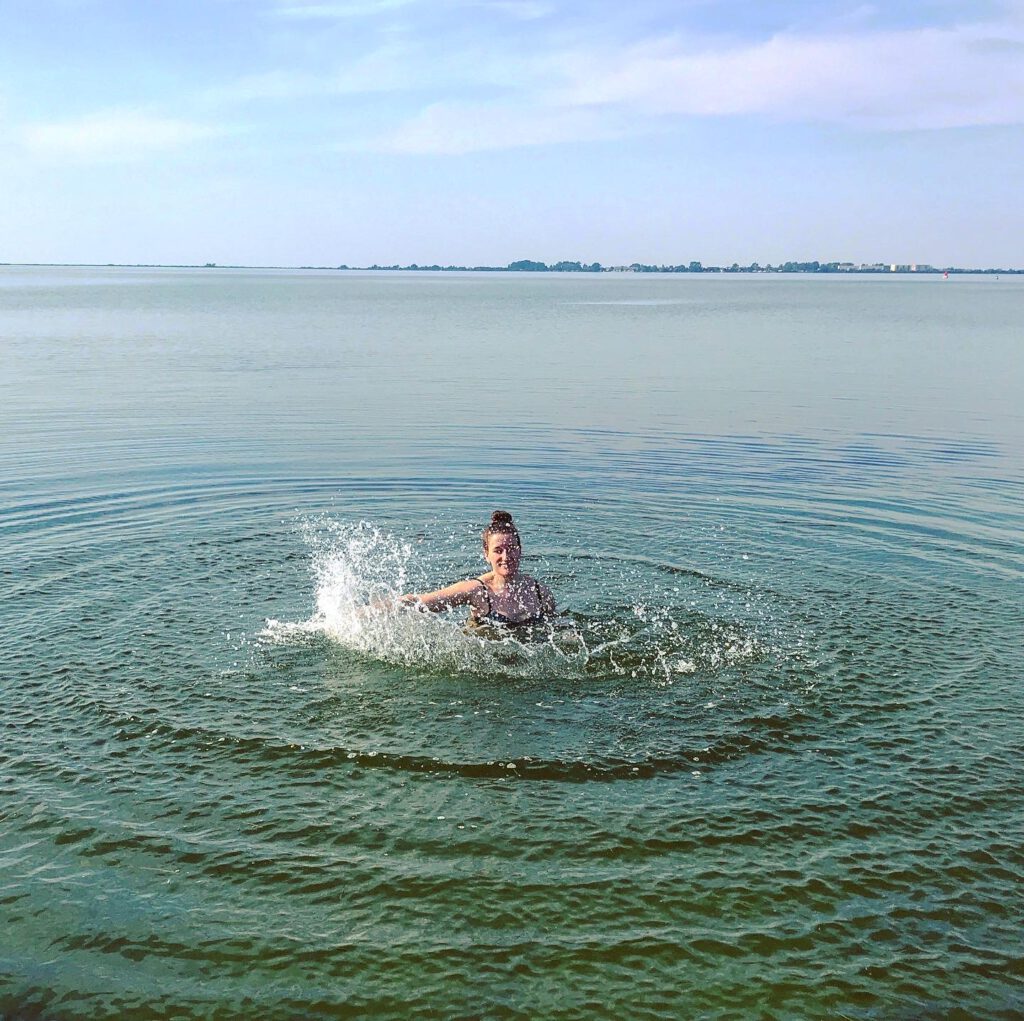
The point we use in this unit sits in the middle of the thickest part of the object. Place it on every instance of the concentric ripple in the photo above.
(741, 758)
(764, 763)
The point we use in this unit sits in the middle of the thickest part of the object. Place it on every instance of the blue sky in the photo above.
(290, 132)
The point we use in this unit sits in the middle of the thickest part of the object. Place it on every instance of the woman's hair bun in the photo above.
(501, 524)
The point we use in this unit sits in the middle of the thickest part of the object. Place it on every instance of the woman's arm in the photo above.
(444, 598)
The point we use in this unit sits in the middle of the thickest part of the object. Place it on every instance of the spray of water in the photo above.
(359, 570)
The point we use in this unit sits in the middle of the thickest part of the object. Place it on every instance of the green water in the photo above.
(765, 764)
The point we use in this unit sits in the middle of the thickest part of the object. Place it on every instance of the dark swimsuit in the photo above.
(493, 617)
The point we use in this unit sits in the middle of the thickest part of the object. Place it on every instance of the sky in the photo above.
(298, 132)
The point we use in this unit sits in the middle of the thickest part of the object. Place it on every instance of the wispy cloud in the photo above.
(115, 135)
(453, 81)
(915, 79)
(912, 79)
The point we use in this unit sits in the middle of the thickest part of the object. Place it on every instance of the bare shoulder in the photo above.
(461, 588)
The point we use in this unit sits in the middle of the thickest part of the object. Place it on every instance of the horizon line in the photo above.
(565, 266)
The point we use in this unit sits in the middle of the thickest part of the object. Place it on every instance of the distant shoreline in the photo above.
(531, 266)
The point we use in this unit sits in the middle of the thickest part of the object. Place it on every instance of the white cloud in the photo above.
(914, 79)
(115, 135)
(486, 90)
(924, 78)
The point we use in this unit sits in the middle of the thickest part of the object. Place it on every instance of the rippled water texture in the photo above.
(765, 763)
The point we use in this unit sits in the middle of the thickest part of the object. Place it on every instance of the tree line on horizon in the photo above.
(566, 266)
(531, 266)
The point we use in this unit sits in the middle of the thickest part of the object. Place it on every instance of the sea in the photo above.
(766, 761)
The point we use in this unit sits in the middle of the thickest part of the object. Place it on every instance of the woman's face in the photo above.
(503, 554)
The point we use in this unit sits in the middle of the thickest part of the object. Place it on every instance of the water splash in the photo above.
(359, 570)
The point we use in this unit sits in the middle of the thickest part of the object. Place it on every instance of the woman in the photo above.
(501, 596)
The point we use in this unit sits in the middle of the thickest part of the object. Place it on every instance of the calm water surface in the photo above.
(766, 763)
